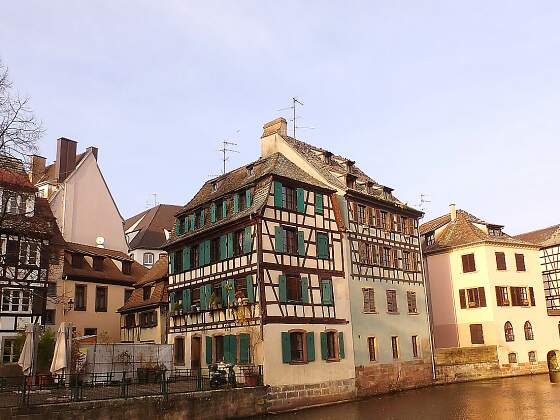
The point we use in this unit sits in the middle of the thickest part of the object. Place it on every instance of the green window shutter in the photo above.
(177, 226)
(282, 288)
(244, 341)
(227, 349)
(324, 351)
(186, 224)
(201, 253)
(213, 213)
(322, 246)
(224, 209)
(248, 198)
(310, 346)
(231, 290)
(223, 247)
(171, 300)
(305, 290)
(300, 197)
(247, 240)
(300, 243)
(186, 258)
(326, 292)
(250, 289)
(279, 239)
(208, 350)
(277, 194)
(230, 244)
(207, 252)
(286, 353)
(186, 299)
(202, 217)
(224, 294)
(341, 345)
(172, 262)
(318, 203)
(233, 349)
(236, 203)
(203, 298)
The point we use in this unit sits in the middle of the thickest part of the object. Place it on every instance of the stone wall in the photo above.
(382, 378)
(209, 405)
(287, 397)
(463, 364)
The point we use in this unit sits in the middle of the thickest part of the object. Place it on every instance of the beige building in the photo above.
(79, 197)
(92, 284)
(144, 314)
(485, 288)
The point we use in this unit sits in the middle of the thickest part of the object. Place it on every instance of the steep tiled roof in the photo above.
(50, 174)
(445, 219)
(93, 250)
(543, 237)
(150, 229)
(462, 231)
(157, 278)
(15, 180)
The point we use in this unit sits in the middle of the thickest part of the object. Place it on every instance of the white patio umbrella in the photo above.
(62, 348)
(27, 356)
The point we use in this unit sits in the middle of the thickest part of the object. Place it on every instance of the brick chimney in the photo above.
(453, 212)
(65, 158)
(38, 164)
(277, 126)
(94, 150)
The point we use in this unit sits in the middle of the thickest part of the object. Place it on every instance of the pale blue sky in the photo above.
(457, 100)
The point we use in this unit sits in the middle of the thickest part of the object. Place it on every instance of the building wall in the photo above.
(138, 255)
(85, 210)
(157, 334)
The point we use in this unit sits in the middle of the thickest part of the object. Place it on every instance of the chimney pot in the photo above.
(453, 212)
(277, 126)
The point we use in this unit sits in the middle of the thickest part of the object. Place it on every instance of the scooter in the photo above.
(218, 377)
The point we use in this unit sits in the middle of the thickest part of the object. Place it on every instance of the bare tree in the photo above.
(20, 130)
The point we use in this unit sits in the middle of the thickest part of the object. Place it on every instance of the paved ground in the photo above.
(522, 398)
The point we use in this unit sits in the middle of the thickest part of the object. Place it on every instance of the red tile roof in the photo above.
(546, 237)
(157, 277)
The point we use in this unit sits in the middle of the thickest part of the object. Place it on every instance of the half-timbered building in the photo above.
(390, 327)
(27, 227)
(257, 277)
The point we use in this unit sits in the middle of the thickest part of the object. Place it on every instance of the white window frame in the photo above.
(13, 356)
(12, 300)
(148, 254)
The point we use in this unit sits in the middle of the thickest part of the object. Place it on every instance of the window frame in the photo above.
(520, 262)
(372, 348)
(368, 300)
(509, 333)
(101, 306)
(292, 281)
(501, 263)
(467, 260)
(82, 287)
(412, 308)
(392, 301)
(415, 347)
(395, 347)
(146, 258)
(303, 335)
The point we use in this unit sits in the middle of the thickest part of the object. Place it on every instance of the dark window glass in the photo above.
(528, 331)
(219, 345)
(90, 331)
(215, 250)
(296, 347)
(146, 292)
(288, 198)
(179, 351)
(331, 345)
(372, 349)
(500, 261)
(395, 347)
(100, 299)
(508, 332)
(415, 346)
(291, 241)
(238, 243)
(77, 260)
(411, 300)
(51, 289)
(50, 317)
(130, 321)
(80, 297)
(392, 301)
(126, 267)
(98, 263)
(293, 288)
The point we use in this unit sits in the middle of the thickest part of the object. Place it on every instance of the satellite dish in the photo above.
(100, 240)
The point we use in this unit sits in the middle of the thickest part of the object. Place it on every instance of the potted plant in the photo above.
(251, 377)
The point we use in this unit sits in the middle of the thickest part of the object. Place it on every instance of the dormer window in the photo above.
(387, 192)
(126, 267)
(214, 186)
(77, 260)
(98, 263)
(369, 187)
(430, 238)
(495, 231)
(327, 157)
(250, 170)
(350, 181)
(146, 292)
(350, 165)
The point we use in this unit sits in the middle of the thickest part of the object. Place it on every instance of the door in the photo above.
(196, 350)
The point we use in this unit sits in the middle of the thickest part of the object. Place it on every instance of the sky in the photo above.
(455, 100)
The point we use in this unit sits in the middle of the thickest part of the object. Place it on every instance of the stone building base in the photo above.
(383, 378)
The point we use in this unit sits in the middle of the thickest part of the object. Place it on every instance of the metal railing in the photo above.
(54, 389)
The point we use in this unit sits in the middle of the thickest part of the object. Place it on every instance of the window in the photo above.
(130, 320)
(127, 294)
(501, 261)
(519, 296)
(240, 288)
(386, 257)
(238, 243)
(296, 347)
(322, 245)
(179, 351)
(80, 297)
(468, 263)
(288, 198)
(430, 238)
(219, 348)
(100, 299)
(494, 231)
(520, 262)
(532, 357)
(291, 240)
(363, 252)
(178, 260)
(9, 351)
(148, 258)
(98, 263)
(51, 288)
(395, 347)
(372, 253)
(502, 296)
(411, 300)
(77, 261)
(404, 224)
(127, 267)
(512, 357)
(28, 253)
(146, 292)
(477, 336)
(332, 347)
(392, 301)
(472, 298)
(327, 292)
(16, 300)
(528, 328)
(293, 289)
(214, 250)
(50, 315)
(369, 300)
(148, 319)
(12, 249)
(361, 214)
(406, 260)
(90, 331)
(508, 332)
(415, 346)
(372, 347)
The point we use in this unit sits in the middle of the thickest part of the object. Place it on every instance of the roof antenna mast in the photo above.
(424, 198)
(225, 150)
(294, 102)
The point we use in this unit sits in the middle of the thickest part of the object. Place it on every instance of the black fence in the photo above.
(53, 389)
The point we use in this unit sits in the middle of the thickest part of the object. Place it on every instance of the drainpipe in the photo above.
(427, 300)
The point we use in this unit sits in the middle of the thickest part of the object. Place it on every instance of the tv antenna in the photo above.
(424, 199)
(225, 150)
(293, 107)
(155, 202)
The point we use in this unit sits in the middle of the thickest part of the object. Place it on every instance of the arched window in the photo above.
(528, 331)
(508, 331)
